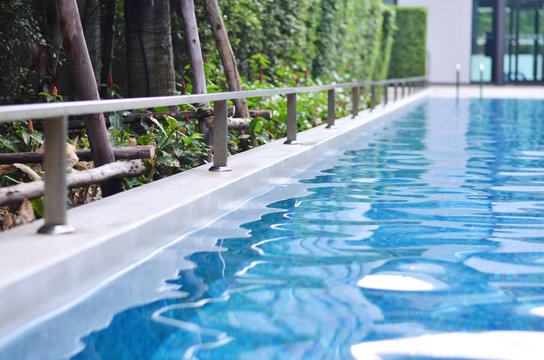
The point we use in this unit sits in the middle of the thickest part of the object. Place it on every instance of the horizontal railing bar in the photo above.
(71, 108)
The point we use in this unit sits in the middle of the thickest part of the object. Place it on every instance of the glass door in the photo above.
(523, 60)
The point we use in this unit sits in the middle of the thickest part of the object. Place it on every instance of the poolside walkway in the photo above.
(490, 91)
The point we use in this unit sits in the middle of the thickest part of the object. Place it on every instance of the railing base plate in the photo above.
(330, 127)
(220, 168)
(291, 142)
(56, 229)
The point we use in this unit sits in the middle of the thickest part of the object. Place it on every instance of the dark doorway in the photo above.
(513, 53)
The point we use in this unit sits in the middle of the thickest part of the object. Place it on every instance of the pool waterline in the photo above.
(401, 191)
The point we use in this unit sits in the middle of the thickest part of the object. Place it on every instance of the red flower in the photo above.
(203, 58)
(348, 66)
(306, 74)
(110, 81)
(183, 88)
(261, 76)
(321, 75)
(297, 80)
(340, 103)
(186, 118)
(54, 91)
(285, 64)
(30, 126)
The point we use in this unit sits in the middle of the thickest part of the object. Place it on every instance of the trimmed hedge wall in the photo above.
(409, 55)
(324, 37)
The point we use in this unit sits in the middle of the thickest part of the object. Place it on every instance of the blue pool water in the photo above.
(422, 239)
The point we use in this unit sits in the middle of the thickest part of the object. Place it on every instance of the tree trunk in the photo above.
(193, 46)
(150, 56)
(42, 56)
(109, 24)
(86, 88)
(227, 55)
(195, 58)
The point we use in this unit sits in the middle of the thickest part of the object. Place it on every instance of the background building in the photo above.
(506, 36)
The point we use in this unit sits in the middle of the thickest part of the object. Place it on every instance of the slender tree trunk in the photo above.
(86, 88)
(150, 56)
(195, 58)
(109, 24)
(227, 55)
(193, 46)
(41, 55)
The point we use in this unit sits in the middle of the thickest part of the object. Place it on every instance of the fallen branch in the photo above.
(16, 194)
(121, 153)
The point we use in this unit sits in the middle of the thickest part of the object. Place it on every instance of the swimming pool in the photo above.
(421, 239)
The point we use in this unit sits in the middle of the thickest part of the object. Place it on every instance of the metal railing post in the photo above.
(220, 131)
(291, 120)
(396, 93)
(403, 89)
(56, 202)
(481, 81)
(330, 109)
(457, 78)
(385, 94)
(372, 97)
(355, 97)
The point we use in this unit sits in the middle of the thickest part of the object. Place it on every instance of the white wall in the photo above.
(449, 37)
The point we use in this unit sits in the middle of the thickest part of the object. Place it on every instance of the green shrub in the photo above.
(409, 55)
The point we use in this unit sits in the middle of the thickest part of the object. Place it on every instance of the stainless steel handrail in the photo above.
(57, 114)
(52, 110)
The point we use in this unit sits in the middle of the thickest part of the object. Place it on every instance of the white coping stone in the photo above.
(39, 273)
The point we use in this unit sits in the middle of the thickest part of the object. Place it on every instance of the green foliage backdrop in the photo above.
(323, 37)
(409, 55)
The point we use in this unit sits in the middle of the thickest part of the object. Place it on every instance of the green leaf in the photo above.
(173, 123)
(116, 120)
(37, 205)
(158, 125)
(179, 149)
(255, 125)
(166, 160)
(145, 139)
(187, 140)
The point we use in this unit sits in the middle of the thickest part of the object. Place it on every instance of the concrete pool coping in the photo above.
(40, 273)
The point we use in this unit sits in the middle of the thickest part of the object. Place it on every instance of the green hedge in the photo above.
(409, 55)
(329, 37)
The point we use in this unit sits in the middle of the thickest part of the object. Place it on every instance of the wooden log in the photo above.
(265, 114)
(18, 193)
(86, 88)
(234, 123)
(120, 153)
(227, 55)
